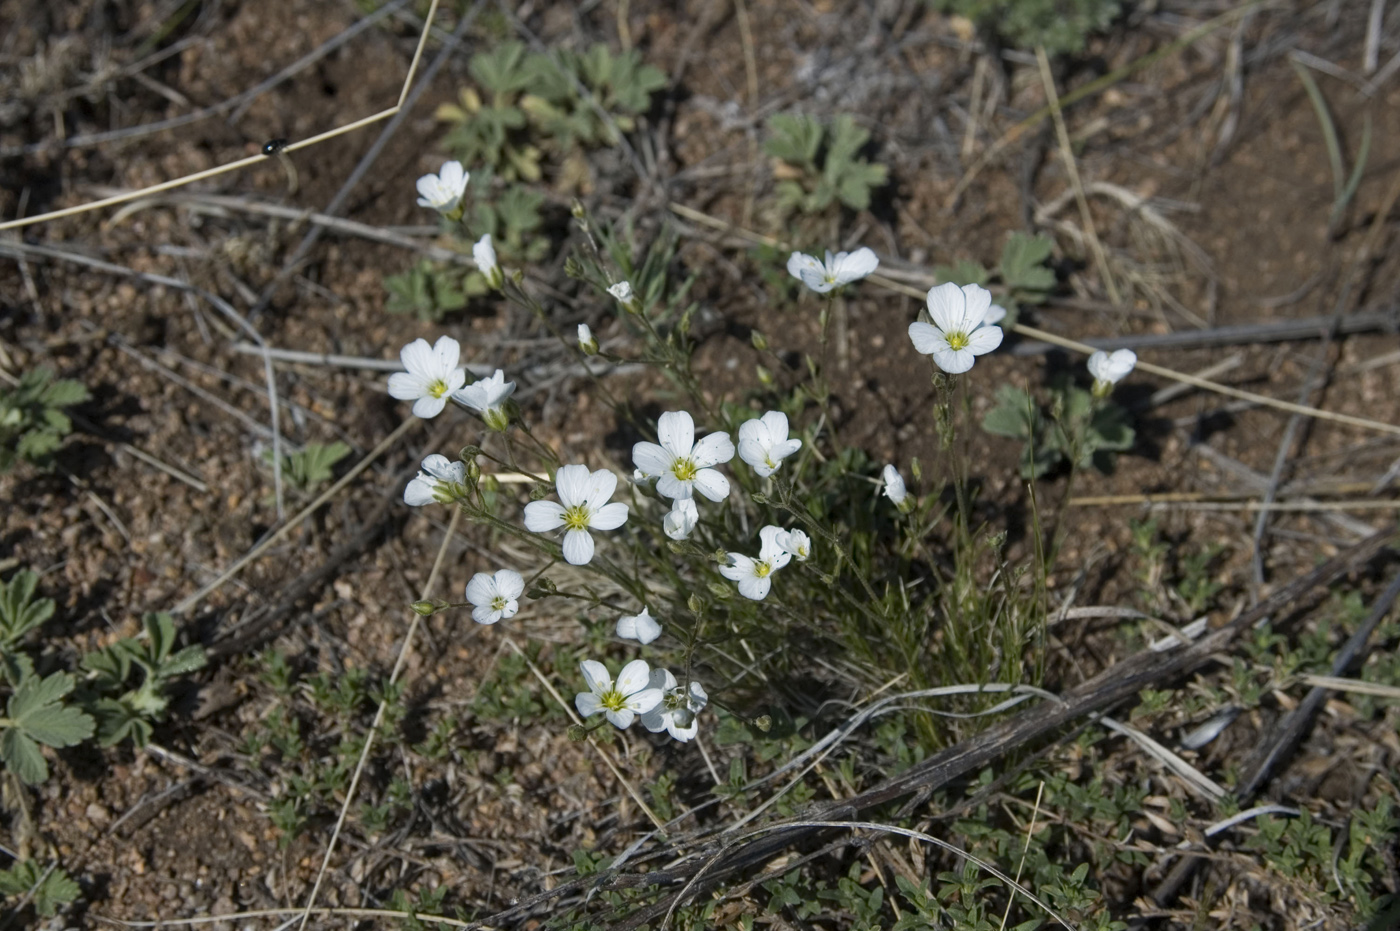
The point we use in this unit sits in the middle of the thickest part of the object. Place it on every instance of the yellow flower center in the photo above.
(613, 700)
(498, 603)
(761, 568)
(576, 517)
(957, 340)
(438, 388)
(685, 469)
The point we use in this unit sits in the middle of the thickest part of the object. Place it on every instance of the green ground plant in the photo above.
(820, 164)
(1063, 27)
(32, 421)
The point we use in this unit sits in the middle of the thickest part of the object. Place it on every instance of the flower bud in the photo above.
(496, 419)
(586, 343)
(695, 603)
(577, 733)
(760, 342)
(763, 722)
(915, 469)
(425, 608)
(577, 209)
(722, 592)
(759, 498)
(765, 377)
(473, 471)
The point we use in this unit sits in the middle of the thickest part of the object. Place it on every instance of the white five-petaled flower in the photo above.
(676, 712)
(841, 268)
(487, 396)
(679, 522)
(443, 191)
(755, 576)
(584, 506)
(959, 331)
(435, 482)
(484, 254)
(621, 702)
(894, 485)
(586, 343)
(764, 443)
(681, 465)
(495, 596)
(795, 543)
(433, 374)
(642, 628)
(995, 315)
(1108, 370)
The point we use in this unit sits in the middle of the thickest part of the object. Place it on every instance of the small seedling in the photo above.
(32, 421)
(313, 466)
(47, 888)
(132, 710)
(821, 165)
(1061, 26)
(431, 291)
(1077, 428)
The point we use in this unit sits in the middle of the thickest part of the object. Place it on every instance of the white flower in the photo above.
(585, 506)
(795, 543)
(443, 191)
(639, 627)
(623, 292)
(755, 576)
(764, 443)
(841, 268)
(435, 482)
(677, 710)
(959, 331)
(995, 314)
(682, 466)
(487, 397)
(495, 595)
(680, 521)
(1109, 370)
(622, 702)
(894, 485)
(432, 375)
(586, 342)
(485, 255)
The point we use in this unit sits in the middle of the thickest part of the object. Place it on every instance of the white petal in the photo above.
(406, 386)
(485, 614)
(946, 305)
(709, 483)
(777, 424)
(855, 266)
(698, 699)
(995, 314)
(601, 485)
(1097, 364)
(511, 607)
(420, 491)
(481, 589)
(799, 265)
(656, 720)
(979, 301)
(683, 734)
(784, 449)
(895, 489)
(622, 719)
(984, 339)
(509, 583)
(473, 396)
(645, 700)
(927, 339)
(769, 547)
(596, 675)
(440, 467)
(741, 568)
(578, 547)
(484, 254)
(417, 358)
(756, 431)
(446, 353)
(587, 704)
(671, 487)
(755, 588)
(609, 516)
(651, 459)
(954, 361)
(429, 407)
(645, 629)
(543, 516)
(634, 677)
(676, 430)
(680, 521)
(712, 450)
(571, 482)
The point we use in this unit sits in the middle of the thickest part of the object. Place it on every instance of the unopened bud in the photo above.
(425, 608)
(473, 471)
(468, 453)
(542, 588)
(763, 722)
(578, 733)
(573, 268)
(586, 343)
(496, 419)
(916, 469)
(578, 210)
(759, 498)
(695, 603)
(760, 342)
(721, 557)
(720, 592)
(765, 377)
